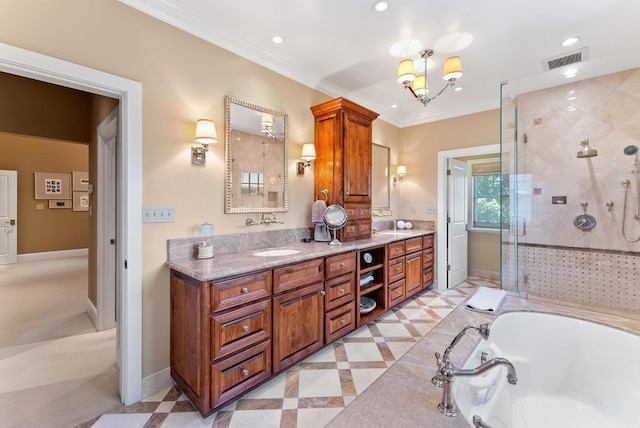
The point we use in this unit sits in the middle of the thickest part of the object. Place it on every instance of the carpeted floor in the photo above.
(55, 369)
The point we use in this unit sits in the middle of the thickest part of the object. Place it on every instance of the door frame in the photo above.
(106, 269)
(441, 219)
(44, 68)
(12, 210)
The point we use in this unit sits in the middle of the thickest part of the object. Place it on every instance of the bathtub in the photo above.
(571, 373)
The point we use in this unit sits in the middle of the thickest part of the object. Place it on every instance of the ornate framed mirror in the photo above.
(256, 158)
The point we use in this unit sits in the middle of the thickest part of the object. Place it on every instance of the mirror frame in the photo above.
(387, 178)
(228, 193)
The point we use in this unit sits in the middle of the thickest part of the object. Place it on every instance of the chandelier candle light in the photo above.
(419, 85)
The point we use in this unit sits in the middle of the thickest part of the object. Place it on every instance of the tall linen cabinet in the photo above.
(343, 140)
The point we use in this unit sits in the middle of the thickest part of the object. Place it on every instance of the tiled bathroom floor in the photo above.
(311, 393)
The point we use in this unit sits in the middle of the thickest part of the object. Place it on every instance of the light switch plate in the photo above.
(432, 210)
(157, 214)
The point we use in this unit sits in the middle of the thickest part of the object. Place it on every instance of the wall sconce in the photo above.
(401, 171)
(308, 154)
(205, 134)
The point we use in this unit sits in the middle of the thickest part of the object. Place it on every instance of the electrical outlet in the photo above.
(432, 210)
(412, 209)
(157, 214)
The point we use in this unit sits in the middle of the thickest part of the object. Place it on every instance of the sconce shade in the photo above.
(406, 71)
(420, 85)
(401, 171)
(206, 132)
(308, 152)
(452, 68)
(267, 120)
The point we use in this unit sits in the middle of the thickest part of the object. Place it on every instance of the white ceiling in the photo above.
(341, 47)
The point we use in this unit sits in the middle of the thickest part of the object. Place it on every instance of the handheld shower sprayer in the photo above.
(631, 150)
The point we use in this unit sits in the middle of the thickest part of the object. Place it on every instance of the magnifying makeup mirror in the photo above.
(335, 217)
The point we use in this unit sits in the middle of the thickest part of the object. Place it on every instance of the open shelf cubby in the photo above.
(372, 276)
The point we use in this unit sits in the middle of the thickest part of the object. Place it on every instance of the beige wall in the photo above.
(46, 229)
(484, 254)
(184, 78)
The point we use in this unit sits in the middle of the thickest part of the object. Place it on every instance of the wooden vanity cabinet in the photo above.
(340, 298)
(427, 260)
(371, 263)
(298, 312)
(342, 134)
(396, 272)
(413, 266)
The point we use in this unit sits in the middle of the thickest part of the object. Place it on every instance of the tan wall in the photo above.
(184, 78)
(46, 229)
(484, 253)
(420, 147)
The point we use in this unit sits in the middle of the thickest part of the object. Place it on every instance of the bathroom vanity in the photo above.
(239, 319)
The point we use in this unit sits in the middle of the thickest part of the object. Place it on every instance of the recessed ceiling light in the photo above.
(458, 88)
(394, 105)
(277, 39)
(380, 5)
(570, 41)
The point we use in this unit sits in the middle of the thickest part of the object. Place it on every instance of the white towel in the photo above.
(486, 300)
(317, 211)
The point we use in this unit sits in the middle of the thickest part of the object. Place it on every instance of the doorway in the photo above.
(24, 63)
(445, 246)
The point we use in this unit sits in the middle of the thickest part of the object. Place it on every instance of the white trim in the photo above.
(52, 255)
(25, 63)
(156, 382)
(441, 221)
(92, 312)
(481, 230)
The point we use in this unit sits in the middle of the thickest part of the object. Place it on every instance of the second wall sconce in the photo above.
(205, 134)
(308, 154)
(401, 171)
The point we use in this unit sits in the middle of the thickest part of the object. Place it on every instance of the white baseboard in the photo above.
(156, 382)
(51, 255)
(92, 312)
(486, 274)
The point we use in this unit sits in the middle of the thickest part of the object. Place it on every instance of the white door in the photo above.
(8, 214)
(457, 223)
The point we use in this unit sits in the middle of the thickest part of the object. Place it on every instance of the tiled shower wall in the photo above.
(599, 267)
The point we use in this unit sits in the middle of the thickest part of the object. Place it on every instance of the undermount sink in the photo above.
(276, 252)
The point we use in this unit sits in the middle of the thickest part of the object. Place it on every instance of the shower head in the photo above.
(631, 150)
(586, 152)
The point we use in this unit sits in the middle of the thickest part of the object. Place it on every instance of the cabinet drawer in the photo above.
(414, 244)
(396, 293)
(364, 227)
(298, 275)
(395, 249)
(427, 277)
(356, 211)
(241, 328)
(352, 211)
(427, 241)
(226, 294)
(339, 265)
(396, 269)
(427, 258)
(339, 322)
(350, 231)
(239, 373)
(339, 291)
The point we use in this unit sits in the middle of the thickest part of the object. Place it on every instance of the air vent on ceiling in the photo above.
(579, 55)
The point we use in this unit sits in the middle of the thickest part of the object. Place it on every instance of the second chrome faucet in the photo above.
(447, 372)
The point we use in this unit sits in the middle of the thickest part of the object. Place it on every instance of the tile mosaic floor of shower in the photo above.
(312, 392)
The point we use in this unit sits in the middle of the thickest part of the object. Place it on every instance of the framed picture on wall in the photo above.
(59, 203)
(81, 201)
(50, 185)
(80, 181)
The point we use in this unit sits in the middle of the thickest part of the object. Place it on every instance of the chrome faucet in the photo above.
(447, 372)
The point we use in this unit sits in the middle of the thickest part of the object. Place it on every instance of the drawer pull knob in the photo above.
(341, 291)
(245, 290)
(245, 372)
(245, 328)
(342, 322)
(323, 293)
(342, 264)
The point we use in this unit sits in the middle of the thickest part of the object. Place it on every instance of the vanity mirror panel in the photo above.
(256, 157)
(380, 167)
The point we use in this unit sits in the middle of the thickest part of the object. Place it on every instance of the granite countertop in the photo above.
(404, 395)
(237, 263)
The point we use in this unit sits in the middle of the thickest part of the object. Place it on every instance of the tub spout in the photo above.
(448, 373)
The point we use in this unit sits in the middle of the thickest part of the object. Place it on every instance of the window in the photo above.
(486, 193)
(252, 183)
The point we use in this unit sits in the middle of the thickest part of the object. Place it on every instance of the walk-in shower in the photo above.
(631, 151)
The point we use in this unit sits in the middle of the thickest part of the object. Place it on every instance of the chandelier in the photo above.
(418, 84)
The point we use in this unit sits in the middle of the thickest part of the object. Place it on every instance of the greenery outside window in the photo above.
(486, 193)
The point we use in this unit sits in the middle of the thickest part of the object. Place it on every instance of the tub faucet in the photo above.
(447, 372)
